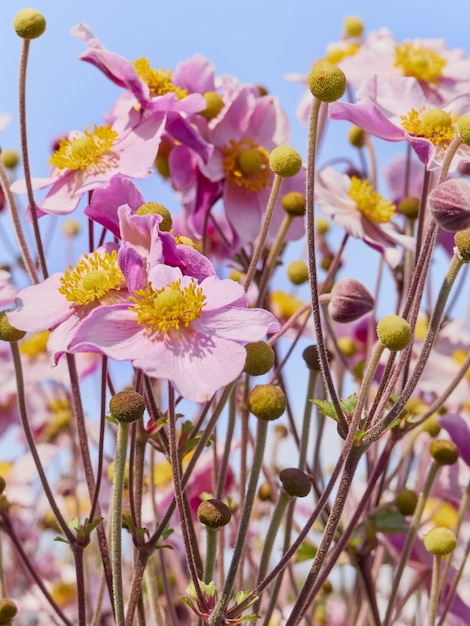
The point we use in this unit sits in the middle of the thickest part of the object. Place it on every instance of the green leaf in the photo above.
(327, 408)
(387, 520)
(305, 552)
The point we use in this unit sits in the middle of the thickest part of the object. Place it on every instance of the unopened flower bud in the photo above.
(297, 272)
(127, 406)
(462, 244)
(449, 203)
(155, 208)
(347, 346)
(350, 300)
(259, 358)
(8, 610)
(406, 501)
(431, 426)
(326, 82)
(295, 482)
(214, 104)
(7, 331)
(264, 492)
(394, 332)
(29, 24)
(311, 358)
(267, 402)
(213, 513)
(281, 431)
(409, 207)
(285, 161)
(10, 159)
(322, 225)
(293, 203)
(353, 26)
(444, 452)
(440, 541)
(71, 228)
(463, 126)
(356, 136)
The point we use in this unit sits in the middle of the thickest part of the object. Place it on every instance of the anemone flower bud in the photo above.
(29, 24)
(267, 402)
(440, 541)
(285, 161)
(214, 104)
(8, 610)
(293, 203)
(444, 452)
(7, 331)
(127, 406)
(450, 204)
(350, 300)
(394, 332)
(326, 81)
(10, 159)
(213, 513)
(311, 358)
(295, 482)
(353, 26)
(155, 208)
(462, 244)
(259, 358)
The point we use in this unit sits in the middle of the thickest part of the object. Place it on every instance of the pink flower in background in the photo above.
(177, 329)
(396, 109)
(362, 212)
(85, 161)
(7, 290)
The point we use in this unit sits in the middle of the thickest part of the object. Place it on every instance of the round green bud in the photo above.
(353, 26)
(326, 82)
(394, 332)
(214, 104)
(10, 159)
(29, 24)
(127, 406)
(71, 228)
(431, 426)
(440, 541)
(347, 346)
(444, 452)
(281, 431)
(322, 225)
(259, 358)
(356, 136)
(406, 501)
(7, 331)
(155, 208)
(463, 126)
(264, 492)
(285, 161)
(8, 610)
(462, 243)
(267, 402)
(3, 484)
(295, 482)
(297, 272)
(409, 207)
(213, 513)
(293, 203)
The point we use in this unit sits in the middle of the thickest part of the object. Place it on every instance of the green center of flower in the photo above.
(85, 151)
(159, 82)
(172, 307)
(419, 62)
(246, 164)
(92, 278)
(370, 202)
(436, 125)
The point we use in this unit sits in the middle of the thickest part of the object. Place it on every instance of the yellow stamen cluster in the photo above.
(86, 151)
(171, 307)
(436, 125)
(92, 278)
(419, 62)
(246, 164)
(370, 202)
(335, 54)
(159, 82)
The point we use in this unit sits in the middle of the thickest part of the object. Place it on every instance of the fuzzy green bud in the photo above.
(259, 358)
(295, 482)
(267, 402)
(394, 332)
(214, 104)
(347, 346)
(353, 26)
(463, 126)
(8, 610)
(10, 159)
(297, 272)
(285, 161)
(127, 406)
(293, 203)
(440, 541)
(462, 243)
(71, 228)
(356, 136)
(326, 82)
(444, 452)
(322, 225)
(213, 513)
(431, 426)
(155, 208)
(409, 207)
(29, 24)
(406, 501)
(7, 331)
(264, 492)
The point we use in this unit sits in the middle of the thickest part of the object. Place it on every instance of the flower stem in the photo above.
(434, 595)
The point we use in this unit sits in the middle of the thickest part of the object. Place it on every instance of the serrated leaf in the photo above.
(327, 408)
